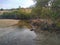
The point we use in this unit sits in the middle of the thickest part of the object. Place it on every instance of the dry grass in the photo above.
(11, 22)
(7, 22)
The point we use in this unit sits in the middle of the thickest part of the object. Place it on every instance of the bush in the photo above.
(15, 15)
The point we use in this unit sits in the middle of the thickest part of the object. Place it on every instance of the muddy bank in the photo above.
(45, 25)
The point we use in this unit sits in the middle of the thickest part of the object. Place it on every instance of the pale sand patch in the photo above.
(8, 22)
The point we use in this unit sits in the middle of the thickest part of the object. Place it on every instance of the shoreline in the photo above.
(8, 22)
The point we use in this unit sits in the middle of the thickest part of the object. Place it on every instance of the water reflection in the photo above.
(23, 36)
(16, 36)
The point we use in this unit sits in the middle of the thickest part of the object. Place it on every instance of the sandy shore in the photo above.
(7, 22)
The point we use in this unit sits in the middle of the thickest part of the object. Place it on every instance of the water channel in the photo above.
(23, 36)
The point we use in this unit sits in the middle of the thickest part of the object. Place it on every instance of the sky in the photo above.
(8, 4)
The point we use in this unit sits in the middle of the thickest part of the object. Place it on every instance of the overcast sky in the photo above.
(7, 4)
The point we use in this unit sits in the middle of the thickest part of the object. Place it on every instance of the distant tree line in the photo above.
(15, 15)
(1, 9)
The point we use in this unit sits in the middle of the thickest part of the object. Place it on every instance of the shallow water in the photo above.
(16, 36)
(47, 38)
(23, 36)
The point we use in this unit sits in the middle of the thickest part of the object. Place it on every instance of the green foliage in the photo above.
(41, 3)
(43, 11)
(56, 9)
(56, 3)
(58, 24)
(36, 12)
(15, 15)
